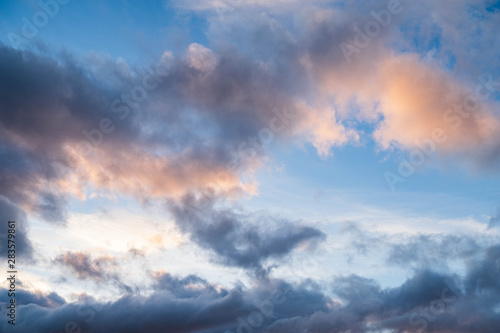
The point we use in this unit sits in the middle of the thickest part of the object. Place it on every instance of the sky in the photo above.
(229, 166)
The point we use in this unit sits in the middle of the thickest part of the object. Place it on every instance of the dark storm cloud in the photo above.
(202, 310)
(237, 239)
(24, 297)
(11, 212)
(427, 302)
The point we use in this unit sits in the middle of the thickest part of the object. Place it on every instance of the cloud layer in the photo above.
(427, 301)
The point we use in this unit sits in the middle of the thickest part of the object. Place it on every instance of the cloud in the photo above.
(185, 287)
(419, 99)
(426, 301)
(201, 58)
(416, 251)
(494, 220)
(484, 276)
(23, 245)
(412, 99)
(434, 250)
(240, 239)
(137, 252)
(201, 120)
(84, 266)
(211, 5)
(44, 108)
(52, 146)
(24, 297)
(200, 310)
(100, 270)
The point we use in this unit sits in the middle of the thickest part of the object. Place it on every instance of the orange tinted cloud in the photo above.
(418, 98)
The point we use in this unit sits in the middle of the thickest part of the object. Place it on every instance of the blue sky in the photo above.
(191, 159)
(134, 31)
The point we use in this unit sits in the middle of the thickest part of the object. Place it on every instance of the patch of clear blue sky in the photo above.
(357, 174)
(493, 5)
(138, 31)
